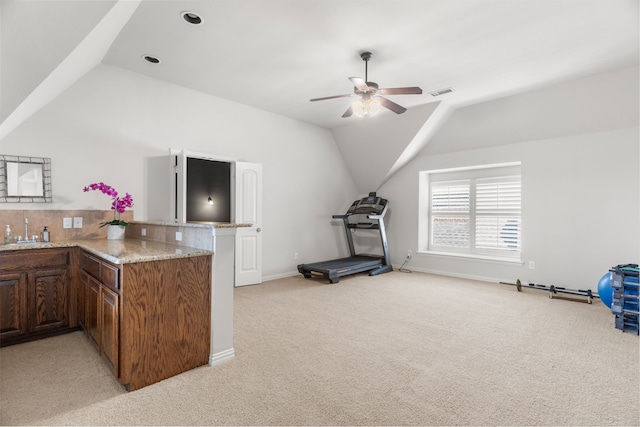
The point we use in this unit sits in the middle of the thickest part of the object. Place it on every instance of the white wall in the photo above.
(581, 209)
(106, 125)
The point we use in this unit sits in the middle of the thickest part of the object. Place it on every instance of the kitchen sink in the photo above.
(25, 242)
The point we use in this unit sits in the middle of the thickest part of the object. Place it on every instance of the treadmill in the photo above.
(372, 208)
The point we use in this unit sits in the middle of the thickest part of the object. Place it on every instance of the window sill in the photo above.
(473, 257)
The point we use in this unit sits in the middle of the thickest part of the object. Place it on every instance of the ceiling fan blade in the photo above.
(398, 109)
(348, 113)
(333, 97)
(400, 91)
(359, 84)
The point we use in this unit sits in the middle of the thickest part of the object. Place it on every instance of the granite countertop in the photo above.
(195, 224)
(119, 251)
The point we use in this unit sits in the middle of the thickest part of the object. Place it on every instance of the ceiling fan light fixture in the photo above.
(358, 108)
(366, 107)
(374, 106)
(370, 101)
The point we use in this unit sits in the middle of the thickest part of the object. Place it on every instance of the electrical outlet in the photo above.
(67, 222)
(143, 232)
(77, 222)
(179, 236)
(532, 265)
(409, 254)
(295, 256)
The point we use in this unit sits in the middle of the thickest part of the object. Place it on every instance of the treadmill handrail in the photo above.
(379, 217)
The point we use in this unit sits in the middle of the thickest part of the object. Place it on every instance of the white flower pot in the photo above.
(115, 232)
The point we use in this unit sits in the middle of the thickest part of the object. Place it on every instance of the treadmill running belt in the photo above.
(335, 268)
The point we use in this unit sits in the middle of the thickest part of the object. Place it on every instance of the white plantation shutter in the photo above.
(476, 211)
(450, 203)
(450, 196)
(498, 213)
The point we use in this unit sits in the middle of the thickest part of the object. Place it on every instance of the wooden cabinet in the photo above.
(48, 299)
(91, 310)
(99, 315)
(149, 320)
(13, 305)
(35, 294)
(109, 327)
(81, 298)
(165, 319)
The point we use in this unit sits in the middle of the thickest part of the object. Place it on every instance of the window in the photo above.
(475, 211)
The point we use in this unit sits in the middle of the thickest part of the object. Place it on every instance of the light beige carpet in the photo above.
(396, 349)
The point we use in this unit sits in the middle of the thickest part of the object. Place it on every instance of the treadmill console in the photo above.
(370, 205)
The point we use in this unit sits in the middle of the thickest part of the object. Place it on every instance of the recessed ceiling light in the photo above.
(191, 18)
(151, 59)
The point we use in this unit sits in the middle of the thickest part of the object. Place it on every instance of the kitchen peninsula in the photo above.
(145, 304)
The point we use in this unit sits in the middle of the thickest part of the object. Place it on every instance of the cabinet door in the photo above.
(109, 328)
(92, 306)
(48, 299)
(13, 305)
(81, 299)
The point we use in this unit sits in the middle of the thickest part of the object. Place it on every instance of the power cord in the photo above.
(405, 270)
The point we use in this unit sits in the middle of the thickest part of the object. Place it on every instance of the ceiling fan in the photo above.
(370, 100)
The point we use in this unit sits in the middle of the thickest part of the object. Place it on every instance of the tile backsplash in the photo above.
(196, 236)
(52, 219)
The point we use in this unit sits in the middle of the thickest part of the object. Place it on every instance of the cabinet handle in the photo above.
(258, 229)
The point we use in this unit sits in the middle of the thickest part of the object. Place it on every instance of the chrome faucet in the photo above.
(34, 238)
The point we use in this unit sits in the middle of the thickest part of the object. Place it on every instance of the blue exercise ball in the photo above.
(605, 291)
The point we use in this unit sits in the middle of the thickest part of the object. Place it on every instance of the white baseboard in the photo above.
(417, 269)
(450, 274)
(222, 357)
(280, 276)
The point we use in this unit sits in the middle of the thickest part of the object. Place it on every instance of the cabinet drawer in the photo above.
(100, 270)
(109, 276)
(27, 259)
(90, 264)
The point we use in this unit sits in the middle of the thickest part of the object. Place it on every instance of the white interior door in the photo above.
(248, 210)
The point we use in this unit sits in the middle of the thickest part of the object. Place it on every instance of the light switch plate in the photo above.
(77, 222)
(67, 223)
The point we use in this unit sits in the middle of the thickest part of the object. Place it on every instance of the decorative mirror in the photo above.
(25, 179)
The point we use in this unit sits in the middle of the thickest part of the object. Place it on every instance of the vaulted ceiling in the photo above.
(277, 54)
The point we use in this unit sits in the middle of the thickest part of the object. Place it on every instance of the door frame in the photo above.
(246, 237)
(179, 180)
